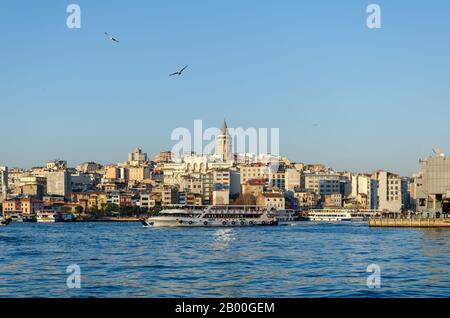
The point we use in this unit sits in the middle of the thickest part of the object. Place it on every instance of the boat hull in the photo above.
(333, 219)
(46, 221)
(5, 222)
(160, 222)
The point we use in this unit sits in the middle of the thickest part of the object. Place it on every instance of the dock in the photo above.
(410, 222)
(110, 219)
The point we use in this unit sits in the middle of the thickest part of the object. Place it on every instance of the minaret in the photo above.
(223, 146)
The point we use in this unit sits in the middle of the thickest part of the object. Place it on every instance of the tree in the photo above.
(111, 207)
(79, 209)
(245, 199)
(66, 209)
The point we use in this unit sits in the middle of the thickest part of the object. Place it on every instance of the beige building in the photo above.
(31, 185)
(332, 200)
(221, 197)
(271, 200)
(306, 199)
(137, 158)
(253, 187)
(22, 205)
(138, 174)
(164, 157)
(252, 172)
(196, 174)
(111, 172)
(169, 196)
(321, 183)
(147, 201)
(292, 179)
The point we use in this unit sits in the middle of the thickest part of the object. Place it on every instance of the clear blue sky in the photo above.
(381, 98)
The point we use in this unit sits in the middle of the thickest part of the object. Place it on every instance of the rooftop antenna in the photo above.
(438, 152)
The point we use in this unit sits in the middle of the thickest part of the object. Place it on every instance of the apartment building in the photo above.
(271, 200)
(389, 192)
(27, 206)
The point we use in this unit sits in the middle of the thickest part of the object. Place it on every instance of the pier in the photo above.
(410, 222)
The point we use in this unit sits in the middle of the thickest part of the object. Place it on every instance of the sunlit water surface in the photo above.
(305, 260)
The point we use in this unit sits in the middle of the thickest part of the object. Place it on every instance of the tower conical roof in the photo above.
(224, 128)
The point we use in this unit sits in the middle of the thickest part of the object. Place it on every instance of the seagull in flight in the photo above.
(111, 38)
(179, 72)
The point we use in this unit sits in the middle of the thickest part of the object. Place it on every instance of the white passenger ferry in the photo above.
(337, 215)
(211, 216)
(45, 216)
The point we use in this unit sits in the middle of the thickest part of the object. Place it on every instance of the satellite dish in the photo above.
(438, 152)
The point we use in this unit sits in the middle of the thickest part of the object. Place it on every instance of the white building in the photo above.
(389, 192)
(361, 189)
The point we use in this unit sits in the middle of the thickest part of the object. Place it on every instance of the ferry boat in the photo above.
(286, 217)
(335, 216)
(45, 216)
(211, 216)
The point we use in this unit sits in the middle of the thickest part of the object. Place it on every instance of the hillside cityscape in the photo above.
(141, 185)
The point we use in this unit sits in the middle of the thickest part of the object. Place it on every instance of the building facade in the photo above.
(3, 183)
(432, 186)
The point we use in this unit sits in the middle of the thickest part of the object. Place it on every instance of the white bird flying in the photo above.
(111, 38)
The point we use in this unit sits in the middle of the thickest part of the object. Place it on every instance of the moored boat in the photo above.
(335, 215)
(212, 216)
(16, 217)
(5, 221)
(45, 216)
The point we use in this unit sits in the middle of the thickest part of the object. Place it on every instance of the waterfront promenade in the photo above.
(410, 222)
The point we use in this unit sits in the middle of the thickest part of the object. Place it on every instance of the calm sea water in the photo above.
(306, 260)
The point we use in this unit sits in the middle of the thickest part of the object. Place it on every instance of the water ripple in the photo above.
(306, 260)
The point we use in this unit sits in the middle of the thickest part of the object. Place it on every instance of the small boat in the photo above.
(16, 217)
(5, 221)
(212, 216)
